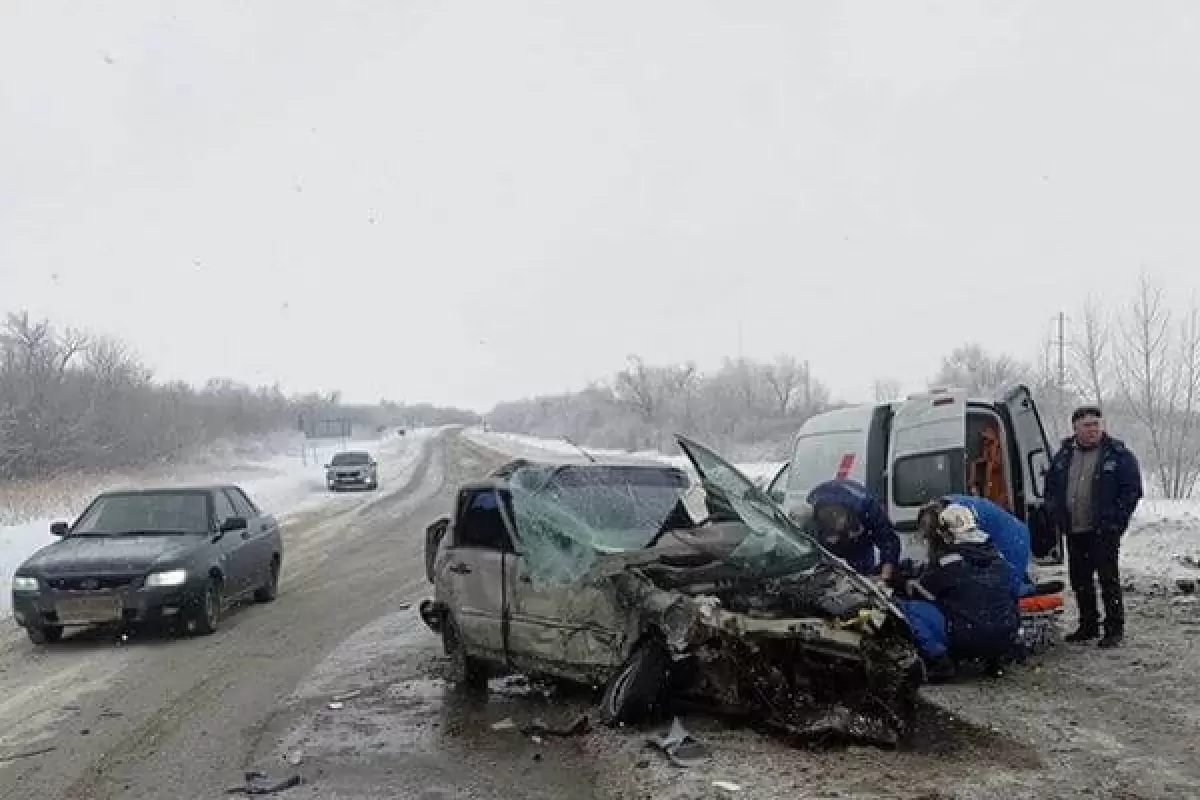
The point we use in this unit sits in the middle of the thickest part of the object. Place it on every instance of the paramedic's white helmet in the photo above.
(958, 520)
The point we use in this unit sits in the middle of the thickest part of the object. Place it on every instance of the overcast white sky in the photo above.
(464, 202)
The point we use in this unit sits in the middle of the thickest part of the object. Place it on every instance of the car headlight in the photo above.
(171, 577)
(23, 583)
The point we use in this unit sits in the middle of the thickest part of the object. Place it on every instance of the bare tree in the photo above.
(788, 378)
(1158, 370)
(1184, 468)
(972, 368)
(1090, 354)
(886, 390)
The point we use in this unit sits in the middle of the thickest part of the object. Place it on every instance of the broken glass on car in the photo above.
(566, 515)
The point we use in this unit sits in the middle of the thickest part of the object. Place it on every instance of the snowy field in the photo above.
(1163, 543)
(283, 484)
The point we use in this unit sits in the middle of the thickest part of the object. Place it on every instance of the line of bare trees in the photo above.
(748, 408)
(73, 402)
(1139, 361)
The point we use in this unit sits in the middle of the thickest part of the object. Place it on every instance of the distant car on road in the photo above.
(352, 468)
(151, 555)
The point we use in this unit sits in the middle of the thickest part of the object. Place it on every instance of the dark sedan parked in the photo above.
(154, 555)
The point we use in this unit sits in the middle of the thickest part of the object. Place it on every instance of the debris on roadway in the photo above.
(258, 782)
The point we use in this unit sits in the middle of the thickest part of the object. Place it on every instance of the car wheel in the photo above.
(47, 634)
(465, 672)
(270, 590)
(206, 617)
(635, 691)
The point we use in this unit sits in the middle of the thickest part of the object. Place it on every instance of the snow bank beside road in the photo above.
(282, 485)
(1163, 541)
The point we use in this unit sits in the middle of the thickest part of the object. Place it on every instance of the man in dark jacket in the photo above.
(850, 523)
(1092, 489)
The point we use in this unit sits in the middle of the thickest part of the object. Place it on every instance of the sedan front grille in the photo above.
(90, 583)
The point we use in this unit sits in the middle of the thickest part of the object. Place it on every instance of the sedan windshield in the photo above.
(565, 515)
(351, 459)
(145, 512)
(776, 545)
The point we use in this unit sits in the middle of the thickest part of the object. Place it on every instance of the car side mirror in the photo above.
(60, 528)
(233, 524)
(329, 466)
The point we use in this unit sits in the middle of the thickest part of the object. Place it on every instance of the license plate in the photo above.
(106, 608)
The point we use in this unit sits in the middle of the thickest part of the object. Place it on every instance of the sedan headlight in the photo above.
(23, 583)
(172, 577)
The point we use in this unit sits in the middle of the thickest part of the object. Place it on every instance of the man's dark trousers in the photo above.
(1092, 554)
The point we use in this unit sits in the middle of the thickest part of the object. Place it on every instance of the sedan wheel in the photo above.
(207, 615)
(635, 692)
(465, 672)
(270, 590)
(48, 634)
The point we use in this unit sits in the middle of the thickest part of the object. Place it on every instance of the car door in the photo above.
(927, 459)
(1030, 443)
(472, 572)
(570, 627)
(230, 546)
(260, 537)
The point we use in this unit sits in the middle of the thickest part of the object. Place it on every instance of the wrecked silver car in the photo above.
(625, 575)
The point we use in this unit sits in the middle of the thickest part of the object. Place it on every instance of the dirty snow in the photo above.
(283, 485)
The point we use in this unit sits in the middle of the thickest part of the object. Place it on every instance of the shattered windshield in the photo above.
(565, 515)
(775, 544)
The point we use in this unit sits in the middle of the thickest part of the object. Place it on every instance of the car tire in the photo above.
(270, 590)
(465, 672)
(635, 692)
(47, 634)
(206, 617)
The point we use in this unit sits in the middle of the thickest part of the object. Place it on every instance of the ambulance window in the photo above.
(918, 479)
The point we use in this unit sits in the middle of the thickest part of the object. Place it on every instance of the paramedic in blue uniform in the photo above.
(962, 607)
(1007, 532)
(849, 522)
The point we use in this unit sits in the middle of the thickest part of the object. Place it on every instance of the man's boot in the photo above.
(939, 669)
(1089, 618)
(1114, 621)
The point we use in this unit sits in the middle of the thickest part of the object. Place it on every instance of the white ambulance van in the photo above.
(915, 450)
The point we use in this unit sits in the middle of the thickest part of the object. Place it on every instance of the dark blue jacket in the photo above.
(876, 528)
(1009, 534)
(1116, 486)
(970, 584)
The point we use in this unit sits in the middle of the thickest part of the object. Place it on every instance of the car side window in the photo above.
(480, 524)
(222, 508)
(241, 504)
(920, 478)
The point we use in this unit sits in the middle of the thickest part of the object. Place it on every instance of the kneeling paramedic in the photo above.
(1006, 531)
(850, 523)
(962, 607)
